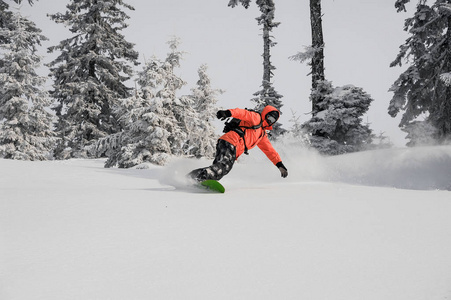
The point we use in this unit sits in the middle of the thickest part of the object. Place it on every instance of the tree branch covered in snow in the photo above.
(444, 8)
(400, 5)
(245, 3)
(446, 78)
(425, 86)
(306, 55)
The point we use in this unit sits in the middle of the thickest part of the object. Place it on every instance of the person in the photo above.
(249, 132)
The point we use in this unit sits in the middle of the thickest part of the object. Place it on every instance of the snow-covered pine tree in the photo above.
(5, 19)
(155, 121)
(146, 132)
(89, 74)
(180, 107)
(339, 121)
(423, 90)
(25, 125)
(267, 95)
(202, 137)
(336, 123)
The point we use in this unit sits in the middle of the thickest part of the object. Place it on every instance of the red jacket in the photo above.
(253, 137)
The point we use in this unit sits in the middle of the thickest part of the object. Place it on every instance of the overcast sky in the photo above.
(362, 37)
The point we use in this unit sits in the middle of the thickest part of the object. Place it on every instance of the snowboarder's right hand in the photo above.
(282, 169)
(223, 114)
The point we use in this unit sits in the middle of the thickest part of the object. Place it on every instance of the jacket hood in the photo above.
(264, 112)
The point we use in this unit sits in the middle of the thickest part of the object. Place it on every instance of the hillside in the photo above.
(372, 225)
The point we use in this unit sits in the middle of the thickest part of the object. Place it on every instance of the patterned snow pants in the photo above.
(223, 163)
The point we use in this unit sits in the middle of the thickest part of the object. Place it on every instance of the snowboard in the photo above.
(212, 185)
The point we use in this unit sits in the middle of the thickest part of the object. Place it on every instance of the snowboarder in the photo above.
(246, 130)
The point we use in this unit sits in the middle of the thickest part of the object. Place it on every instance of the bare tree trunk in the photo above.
(267, 67)
(318, 44)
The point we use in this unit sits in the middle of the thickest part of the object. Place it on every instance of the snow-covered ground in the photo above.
(371, 225)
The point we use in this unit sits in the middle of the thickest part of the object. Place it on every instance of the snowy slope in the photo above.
(338, 228)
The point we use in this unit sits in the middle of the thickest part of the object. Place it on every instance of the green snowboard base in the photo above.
(213, 185)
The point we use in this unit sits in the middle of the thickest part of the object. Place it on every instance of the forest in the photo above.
(90, 111)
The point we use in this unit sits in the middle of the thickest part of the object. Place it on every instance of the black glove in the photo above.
(223, 114)
(282, 169)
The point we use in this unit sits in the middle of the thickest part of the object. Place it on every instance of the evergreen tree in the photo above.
(90, 73)
(25, 125)
(6, 21)
(268, 95)
(146, 133)
(201, 135)
(155, 121)
(335, 126)
(168, 84)
(340, 120)
(424, 88)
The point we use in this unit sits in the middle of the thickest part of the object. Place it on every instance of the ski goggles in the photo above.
(272, 117)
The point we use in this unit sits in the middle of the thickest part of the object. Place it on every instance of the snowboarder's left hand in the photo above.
(223, 114)
(282, 169)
